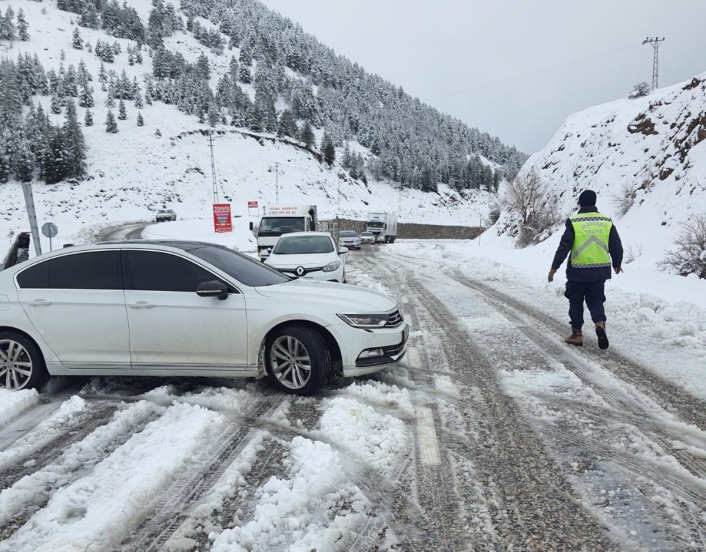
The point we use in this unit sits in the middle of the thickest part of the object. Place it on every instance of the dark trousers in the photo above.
(592, 293)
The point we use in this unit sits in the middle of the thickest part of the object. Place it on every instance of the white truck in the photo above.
(282, 219)
(383, 226)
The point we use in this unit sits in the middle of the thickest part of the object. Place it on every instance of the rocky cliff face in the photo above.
(645, 157)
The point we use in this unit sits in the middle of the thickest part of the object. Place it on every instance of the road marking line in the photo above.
(426, 436)
(412, 357)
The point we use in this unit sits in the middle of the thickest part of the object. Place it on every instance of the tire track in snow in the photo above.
(173, 508)
(617, 398)
(528, 498)
(33, 491)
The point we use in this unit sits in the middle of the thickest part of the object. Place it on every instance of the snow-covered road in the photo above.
(491, 435)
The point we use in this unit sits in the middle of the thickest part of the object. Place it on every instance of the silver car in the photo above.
(349, 239)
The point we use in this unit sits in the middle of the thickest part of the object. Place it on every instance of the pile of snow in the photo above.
(13, 403)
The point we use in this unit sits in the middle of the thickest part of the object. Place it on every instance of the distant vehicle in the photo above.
(283, 219)
(309, 255)
(179, 308)
(165, 215)
(367, 237)
(383, 226)
(349, 239)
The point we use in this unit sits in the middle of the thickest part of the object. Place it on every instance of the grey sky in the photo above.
(514, 68)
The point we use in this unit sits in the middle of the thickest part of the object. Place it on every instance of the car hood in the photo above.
(343, 297)
(307, 260)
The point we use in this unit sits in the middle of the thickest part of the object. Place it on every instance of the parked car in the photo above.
(309, 255)
(165, 215)
(367, 237)
(166, 308)
(349, 239)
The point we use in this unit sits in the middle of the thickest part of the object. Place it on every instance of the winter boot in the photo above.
(576, 338)
(602, 335)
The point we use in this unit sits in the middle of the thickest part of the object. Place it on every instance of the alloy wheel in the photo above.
(290, 362)
(15, 364)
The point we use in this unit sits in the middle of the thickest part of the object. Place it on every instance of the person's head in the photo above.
(587, 199)
(23, 240)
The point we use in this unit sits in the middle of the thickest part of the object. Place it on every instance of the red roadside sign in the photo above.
(252, 204)
(222, 221)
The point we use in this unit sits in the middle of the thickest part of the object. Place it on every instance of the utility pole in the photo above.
(277, 183)
(32, 216)
(213, 168)
(655, 41)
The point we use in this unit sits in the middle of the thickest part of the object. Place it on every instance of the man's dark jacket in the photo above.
(598, 274)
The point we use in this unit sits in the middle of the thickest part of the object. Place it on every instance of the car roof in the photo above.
(305, 234)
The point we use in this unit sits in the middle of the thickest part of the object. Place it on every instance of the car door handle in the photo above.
(39, 303)
(141, 305)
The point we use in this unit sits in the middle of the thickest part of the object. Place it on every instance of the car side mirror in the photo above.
(251, 226)
(343, 251)
(214, 288)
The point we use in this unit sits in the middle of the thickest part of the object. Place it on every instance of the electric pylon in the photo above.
(655, 41)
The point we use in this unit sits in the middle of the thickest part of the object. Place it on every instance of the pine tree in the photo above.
(77, 40)
(202, 68)
(140, 120)
(287, 125)
(7, 25)
(138, 100)
(22, 26)
(109, 101)
(308, 136)
(88, 119)
(55, 104)
(89, 48)
(75, 144)
(111, 125)
(328, 149)
(102, 74)
(85, 98)
(122, 112)
(234, 69)
(245, 76)
(213, 115)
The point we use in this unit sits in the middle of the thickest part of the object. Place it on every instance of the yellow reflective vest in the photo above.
(591, 238)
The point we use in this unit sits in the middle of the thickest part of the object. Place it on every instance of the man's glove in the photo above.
(618, 270)
(551, 275)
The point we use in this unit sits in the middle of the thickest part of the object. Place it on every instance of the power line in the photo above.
(655, 41)
(531, 74)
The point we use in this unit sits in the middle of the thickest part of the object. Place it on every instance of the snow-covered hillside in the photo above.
(646, 155)
(135, 172)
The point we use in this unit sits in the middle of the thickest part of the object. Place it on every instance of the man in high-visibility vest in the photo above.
(594, 244)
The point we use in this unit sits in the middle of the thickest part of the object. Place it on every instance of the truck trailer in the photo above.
(383, 226)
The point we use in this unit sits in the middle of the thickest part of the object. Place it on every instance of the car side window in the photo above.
(35, 277)
(158, 271)
(90, 270)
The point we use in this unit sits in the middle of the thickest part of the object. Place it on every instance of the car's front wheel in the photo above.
(21, 363)
(297, 359)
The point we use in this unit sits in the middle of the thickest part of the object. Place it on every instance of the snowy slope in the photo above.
(133, 173)
(651, 148)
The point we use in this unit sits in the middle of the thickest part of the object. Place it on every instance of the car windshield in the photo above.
(302, 245)
(376, 224)
(348, 234)
(244, 269)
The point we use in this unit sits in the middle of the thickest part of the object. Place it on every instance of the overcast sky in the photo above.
(513, 68)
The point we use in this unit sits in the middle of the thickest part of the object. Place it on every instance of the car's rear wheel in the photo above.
(297, 360)
(21, 364)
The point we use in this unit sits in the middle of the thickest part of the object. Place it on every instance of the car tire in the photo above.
(297, 342)
(21, 363)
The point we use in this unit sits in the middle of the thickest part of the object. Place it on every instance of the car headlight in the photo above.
(365, 320)
(331, 266)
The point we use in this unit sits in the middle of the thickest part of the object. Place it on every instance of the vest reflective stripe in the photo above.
(591, 236)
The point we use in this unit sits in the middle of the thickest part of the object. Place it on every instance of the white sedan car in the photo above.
(349, 239)
(309, 255)
(152, 308)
